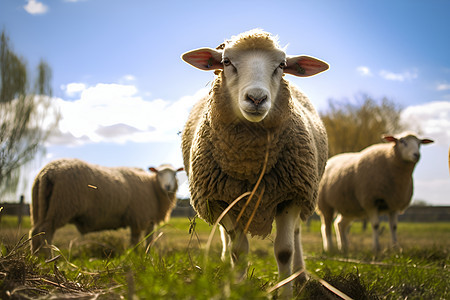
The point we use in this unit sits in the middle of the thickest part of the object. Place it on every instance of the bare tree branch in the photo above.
(22, 114)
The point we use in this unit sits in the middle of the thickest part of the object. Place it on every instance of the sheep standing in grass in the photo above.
(252, 110)
(97, 198)
(377, 180)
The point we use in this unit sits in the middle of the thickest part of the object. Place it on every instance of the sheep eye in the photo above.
(403, 142)
(226, 61)
(283, 65)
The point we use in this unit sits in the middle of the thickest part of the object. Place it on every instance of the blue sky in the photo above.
(124, 92)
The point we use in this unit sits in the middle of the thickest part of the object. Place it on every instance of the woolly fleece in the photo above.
(224, 155)
(97, 198)
(379, 172)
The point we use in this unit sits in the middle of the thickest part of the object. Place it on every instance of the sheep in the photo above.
(377, 180)
(96, 198)
(252, 110)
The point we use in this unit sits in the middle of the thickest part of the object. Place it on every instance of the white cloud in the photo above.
(443, 87)
(35, 8)
(115, 130)
(364, 71)
(67, 139)
(404, 76)
(431, 119)
(432, 191)
(129, 77)
(74, 88)
(116, 113)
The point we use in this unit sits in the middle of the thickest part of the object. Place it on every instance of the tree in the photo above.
(25, 117)
(354, 125)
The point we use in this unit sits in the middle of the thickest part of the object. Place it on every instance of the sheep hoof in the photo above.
(397, 248)
(240, 273)
(300, 281)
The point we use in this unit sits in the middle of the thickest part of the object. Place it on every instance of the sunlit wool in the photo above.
(96, 198)
(225, 153)
(255, 132)
(377, 180)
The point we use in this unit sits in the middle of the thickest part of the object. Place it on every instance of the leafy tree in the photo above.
(354, 125)
(25, 118)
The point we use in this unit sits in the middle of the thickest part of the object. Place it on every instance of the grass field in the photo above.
(99, 265)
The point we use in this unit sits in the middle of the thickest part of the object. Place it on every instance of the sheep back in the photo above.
(224, 157)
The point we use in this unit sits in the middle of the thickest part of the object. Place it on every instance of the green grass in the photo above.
(176, 268)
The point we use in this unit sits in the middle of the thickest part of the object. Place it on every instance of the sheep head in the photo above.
(166, 177)
(407, 145)
(253, 65)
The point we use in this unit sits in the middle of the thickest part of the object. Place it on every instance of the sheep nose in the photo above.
(417, 156)
(257, 100)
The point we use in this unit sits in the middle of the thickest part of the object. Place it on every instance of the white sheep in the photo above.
(97, 198)
(251, 108)
(377, 180)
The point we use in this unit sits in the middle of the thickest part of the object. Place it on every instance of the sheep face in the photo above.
(408, 146)
(166, 177)
(253, 80)
(253, 66)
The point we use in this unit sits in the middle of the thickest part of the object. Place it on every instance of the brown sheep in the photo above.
(97, 198)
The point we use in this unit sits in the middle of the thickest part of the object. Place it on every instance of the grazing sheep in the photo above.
(97, 198)
(252, 110)
(377, 180)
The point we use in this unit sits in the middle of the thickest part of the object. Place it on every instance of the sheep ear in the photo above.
(304, 66)
(206, 59)
(389, 138)
(180, 169)
(426, 141)
(152, 169)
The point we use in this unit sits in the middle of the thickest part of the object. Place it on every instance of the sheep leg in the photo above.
(326, 218)
(41, 234)
(341, 226)
(393, 227)
(150, 233)
(375, 221)
(135, 233)
(287, 245)
(238, 245)
(299, 263)
(225, 241)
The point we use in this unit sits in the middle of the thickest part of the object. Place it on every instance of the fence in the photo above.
(17, 209)
(184, 209)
